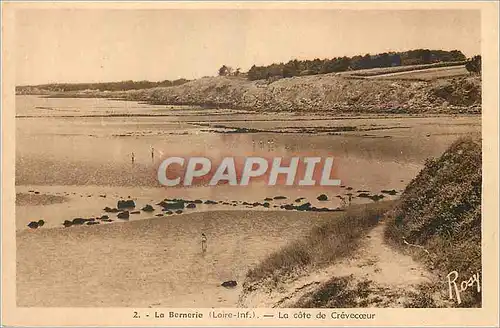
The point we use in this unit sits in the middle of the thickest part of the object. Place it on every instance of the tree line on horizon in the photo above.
(101, 86)
(341, 64)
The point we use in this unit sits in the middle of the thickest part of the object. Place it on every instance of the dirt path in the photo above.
(376, 275)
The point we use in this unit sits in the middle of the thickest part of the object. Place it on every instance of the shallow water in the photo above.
(83, 147)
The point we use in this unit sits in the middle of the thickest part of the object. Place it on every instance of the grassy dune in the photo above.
(321, 247)
(440, 215)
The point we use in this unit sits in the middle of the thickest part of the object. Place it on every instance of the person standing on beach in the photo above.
(203, 243)
(152, 154)
(133, 158)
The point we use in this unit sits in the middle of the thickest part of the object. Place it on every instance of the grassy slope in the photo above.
(440, 210)
(321, 247)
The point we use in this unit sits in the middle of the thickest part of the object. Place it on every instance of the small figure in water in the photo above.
(133, 158)
(203, 243)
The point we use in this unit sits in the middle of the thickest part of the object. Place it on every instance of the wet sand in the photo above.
(156, 262)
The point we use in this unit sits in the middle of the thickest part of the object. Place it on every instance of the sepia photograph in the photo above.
(253, 158)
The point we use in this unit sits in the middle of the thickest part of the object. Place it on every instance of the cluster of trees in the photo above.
(105, 86)
(473, 65)
(339, 64)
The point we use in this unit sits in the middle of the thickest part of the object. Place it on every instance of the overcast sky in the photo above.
(60, 45)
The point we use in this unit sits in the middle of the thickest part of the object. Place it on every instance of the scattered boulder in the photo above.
(135, 212)
(111, 210)
(33, 224)
(198, 201)
(298, 200)
(129, 203)
(41, 223)
(148, 208)
(267, 199)
(172, 204)
(178, 212)
(191, 205)
(79, 221)
(123, 215)
(279, 197)
(104, 217)
(229, 284)
(266, 204)
(106, 220)
(389, 192)
(210, 202)
(37, 192)
(92, 222)
(304, 207)
(322, 197)
(67, 223)
(102, 196)
(159, 214)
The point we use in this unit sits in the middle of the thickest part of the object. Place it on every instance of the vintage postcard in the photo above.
(250, 163)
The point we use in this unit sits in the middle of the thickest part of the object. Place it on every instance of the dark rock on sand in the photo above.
(266, 204)
(279, 197)
(129, 203)
(111, 210)
(322, 197)
(102, 196)
(106, 220)
(67, 223)
(298, 200)
(375, 198)
(78, 221)
(167, 212)
(191, 205)
(33, 224)
(229, 284)
(135, 212)
(267, 199)
(172, 205)
(123, 215)
(159, 214)
(389, 192)
(104, 217)
(92, 222)
(178, 212)
(148, 208)
(303, 207)
(210, 202)
(41, 223)
(37, 192)
(198, 201)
